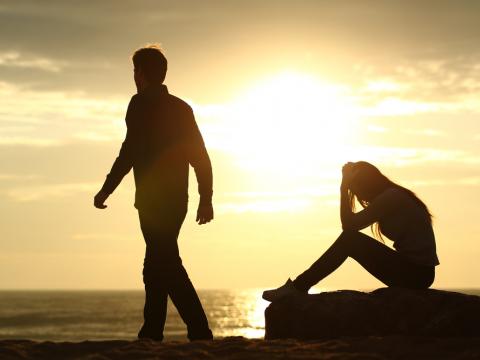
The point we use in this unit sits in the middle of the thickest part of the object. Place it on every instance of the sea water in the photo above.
(103, 315)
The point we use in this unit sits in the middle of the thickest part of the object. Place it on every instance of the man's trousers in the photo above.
(164, 275)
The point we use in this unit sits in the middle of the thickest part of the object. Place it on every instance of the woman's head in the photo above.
(367, 182)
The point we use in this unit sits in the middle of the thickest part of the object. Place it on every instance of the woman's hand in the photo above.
(348, 174)
(347, 168)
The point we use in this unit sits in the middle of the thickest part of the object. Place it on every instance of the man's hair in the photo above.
(152, 62)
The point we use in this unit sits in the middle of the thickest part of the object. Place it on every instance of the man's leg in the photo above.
(164, 273)
(186, 300)
(156, 292)
(154, 313)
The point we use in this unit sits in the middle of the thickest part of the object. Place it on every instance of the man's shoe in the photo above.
(285, 290)
(199, 335)
(145, 333)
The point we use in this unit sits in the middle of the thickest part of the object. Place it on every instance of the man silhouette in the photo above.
(162, 140)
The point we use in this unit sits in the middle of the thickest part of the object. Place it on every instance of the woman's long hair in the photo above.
(369, 180)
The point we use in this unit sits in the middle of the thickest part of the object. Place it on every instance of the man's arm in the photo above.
(124, 161)
(200, 161)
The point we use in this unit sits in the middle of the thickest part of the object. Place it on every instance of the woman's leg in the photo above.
(386, 264)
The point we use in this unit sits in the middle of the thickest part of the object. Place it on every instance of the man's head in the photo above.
(150, 66)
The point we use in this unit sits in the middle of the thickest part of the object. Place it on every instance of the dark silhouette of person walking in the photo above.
(162, 140)
(397, 212)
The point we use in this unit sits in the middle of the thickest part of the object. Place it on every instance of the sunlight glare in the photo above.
(289, 125)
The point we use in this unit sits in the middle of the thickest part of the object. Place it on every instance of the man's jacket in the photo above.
(162, 140)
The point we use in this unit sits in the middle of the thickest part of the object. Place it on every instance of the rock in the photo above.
(385, 311)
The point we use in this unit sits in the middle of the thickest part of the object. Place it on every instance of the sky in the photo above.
(284, 92)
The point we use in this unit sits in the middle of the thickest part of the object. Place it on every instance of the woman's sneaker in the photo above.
(285, 290)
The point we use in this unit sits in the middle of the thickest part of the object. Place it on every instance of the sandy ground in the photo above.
(392, 347)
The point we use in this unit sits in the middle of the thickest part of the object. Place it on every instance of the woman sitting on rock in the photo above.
(393, 211)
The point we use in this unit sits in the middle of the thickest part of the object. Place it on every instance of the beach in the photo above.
(393, 347)
(103, 325)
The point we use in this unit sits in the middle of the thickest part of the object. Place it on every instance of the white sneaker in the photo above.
(285, 290)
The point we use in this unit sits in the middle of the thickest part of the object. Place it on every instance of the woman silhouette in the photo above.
(393, 211)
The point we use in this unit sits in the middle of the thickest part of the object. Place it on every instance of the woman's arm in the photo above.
(346, 214)
(383, 205)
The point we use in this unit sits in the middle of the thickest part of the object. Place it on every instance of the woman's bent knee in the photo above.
(351, 238)
(347, 235)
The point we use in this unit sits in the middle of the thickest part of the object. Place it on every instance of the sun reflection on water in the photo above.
(241, 313)
(235, 312)
(255, 317)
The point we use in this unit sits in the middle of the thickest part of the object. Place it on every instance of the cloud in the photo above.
(438, 85)
(383, 86)
(328, 185)
(296, 199)
(18, 140)
(48, 118)
(45, 192)
(377, 129)
(15, 59)
(383, 46)
(264, 206)
(405, 156)
(398, 107)
(99, 236)
(19, 177)
(464, 181)
(426, 132)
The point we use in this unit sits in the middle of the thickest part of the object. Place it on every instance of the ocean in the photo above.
(105, 315)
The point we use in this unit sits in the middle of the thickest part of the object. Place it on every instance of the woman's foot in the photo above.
(288, 289)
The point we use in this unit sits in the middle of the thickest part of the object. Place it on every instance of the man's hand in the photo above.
(99, 199)
(204, 214)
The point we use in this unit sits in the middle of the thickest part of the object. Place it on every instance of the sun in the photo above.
(289, 125)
